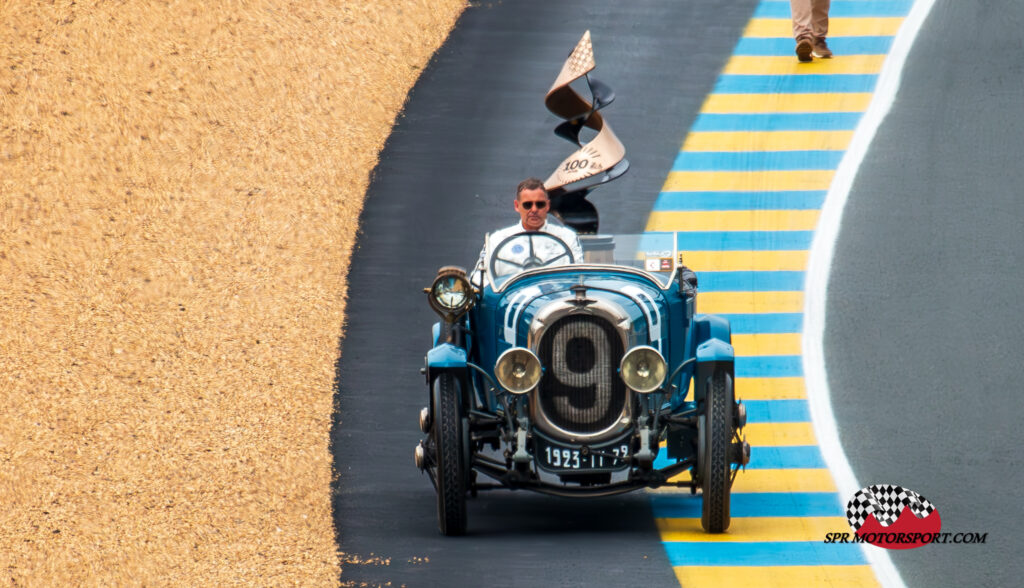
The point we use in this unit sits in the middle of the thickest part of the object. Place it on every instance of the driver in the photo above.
(532, 204)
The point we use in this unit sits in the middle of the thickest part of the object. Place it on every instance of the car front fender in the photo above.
(710, 326)
(714, 352)
(445, 357)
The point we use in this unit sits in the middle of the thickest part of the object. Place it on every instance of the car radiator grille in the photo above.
(581, 391)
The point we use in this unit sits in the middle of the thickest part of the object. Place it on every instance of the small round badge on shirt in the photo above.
(517, 248)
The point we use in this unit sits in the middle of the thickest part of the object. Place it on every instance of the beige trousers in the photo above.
(810, 18)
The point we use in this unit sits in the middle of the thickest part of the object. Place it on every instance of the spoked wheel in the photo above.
(715, 437)
(450, 456)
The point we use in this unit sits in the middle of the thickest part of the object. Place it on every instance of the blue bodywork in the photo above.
(660, 316)
(579, 379)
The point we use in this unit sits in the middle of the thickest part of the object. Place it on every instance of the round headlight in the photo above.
(518, 370)
(643, 369)
(451, 294)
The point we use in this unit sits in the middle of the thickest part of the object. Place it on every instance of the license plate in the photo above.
(556, 457)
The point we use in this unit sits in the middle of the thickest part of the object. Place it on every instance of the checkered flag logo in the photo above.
(886, 502)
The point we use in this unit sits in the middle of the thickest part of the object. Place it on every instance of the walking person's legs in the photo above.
(819, 26)
(803, 29)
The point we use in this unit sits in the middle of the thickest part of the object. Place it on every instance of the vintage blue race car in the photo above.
(578, 377)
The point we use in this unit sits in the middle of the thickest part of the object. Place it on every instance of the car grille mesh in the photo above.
(581, 391)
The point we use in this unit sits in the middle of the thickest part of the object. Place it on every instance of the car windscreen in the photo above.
(654, 253)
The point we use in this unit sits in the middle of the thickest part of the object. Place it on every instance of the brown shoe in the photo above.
(821, 50)
(804, 49)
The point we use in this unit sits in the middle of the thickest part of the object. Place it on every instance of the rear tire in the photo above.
(450, 456)
(715, 469)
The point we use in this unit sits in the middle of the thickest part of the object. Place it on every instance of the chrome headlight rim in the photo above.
(505, 370)
(656, 365)
(450, 280)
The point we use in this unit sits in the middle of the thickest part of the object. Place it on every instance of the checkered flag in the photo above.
(581, 60)
(886, 502)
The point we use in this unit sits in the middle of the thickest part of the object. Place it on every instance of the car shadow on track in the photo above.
(521, 513)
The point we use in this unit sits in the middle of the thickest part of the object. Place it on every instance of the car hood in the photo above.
(643, 302)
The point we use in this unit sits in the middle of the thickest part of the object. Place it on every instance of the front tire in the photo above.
(716, 435)
(450, 456)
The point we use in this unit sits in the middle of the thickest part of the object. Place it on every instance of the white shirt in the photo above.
(565, 234)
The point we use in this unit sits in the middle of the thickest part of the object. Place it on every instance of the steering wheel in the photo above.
(537, 256)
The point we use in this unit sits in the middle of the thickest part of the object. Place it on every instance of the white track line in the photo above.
(819, 266)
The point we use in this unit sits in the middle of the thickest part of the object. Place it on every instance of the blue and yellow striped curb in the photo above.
(745, 194)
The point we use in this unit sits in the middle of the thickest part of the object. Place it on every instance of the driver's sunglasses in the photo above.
(528, 205)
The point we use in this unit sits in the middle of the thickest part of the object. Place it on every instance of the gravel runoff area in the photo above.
(180, 187)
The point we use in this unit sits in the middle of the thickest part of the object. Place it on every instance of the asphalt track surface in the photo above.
(473, 127)
(924, 335)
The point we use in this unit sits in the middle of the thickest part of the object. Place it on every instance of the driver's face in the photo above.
(532, 206)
